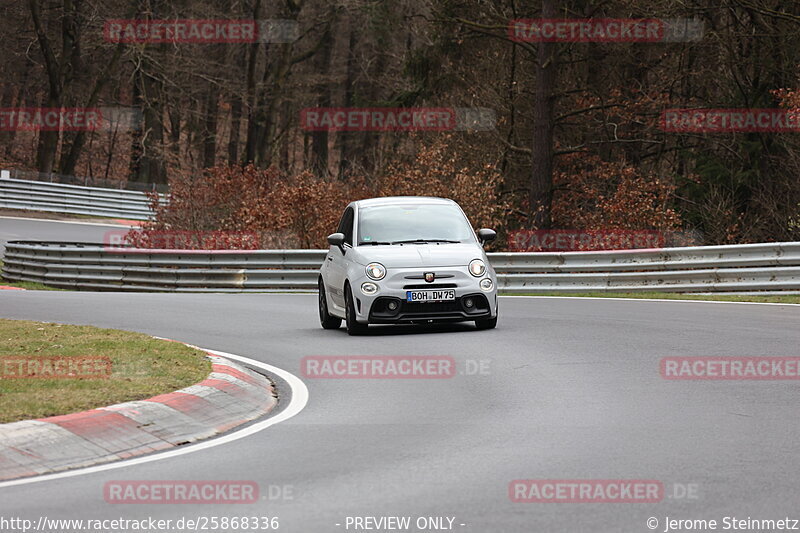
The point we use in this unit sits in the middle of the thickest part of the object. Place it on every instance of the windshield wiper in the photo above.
(423, 241)
(375, 243)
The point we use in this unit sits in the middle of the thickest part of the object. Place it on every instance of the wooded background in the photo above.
(577, 142)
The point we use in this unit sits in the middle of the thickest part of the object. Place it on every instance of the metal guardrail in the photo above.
(73, 199)
(747, 267)
(86, 181)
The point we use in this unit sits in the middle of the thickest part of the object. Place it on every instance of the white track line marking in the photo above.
(595, 298)
(69, 222)
(299, 401)
(644, 299)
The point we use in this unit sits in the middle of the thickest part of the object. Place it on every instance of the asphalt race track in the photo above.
(570, 389)
(28, 229)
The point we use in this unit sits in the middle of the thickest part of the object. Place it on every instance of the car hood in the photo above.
(420, 255)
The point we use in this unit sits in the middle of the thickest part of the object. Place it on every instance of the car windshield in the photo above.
(420, 223)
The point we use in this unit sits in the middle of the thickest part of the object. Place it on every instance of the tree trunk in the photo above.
(69, 158)
(319, 139)
(59, 73)
(138, 131)
(252, 92)
(210, 126)
(48, 142)
(265, 100)
(541, 180)
(287, 137)
(175, 128)
(236, 121)
(345, 139)
(7, 101)
(148, 145)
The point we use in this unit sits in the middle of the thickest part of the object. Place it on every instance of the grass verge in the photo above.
(777, 298)
(141, 367)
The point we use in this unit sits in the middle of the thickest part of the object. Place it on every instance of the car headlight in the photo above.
(376, 271)
(477, 268)
(486, 284)
(369, 288)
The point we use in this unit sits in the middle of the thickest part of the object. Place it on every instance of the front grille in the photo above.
(426, 308)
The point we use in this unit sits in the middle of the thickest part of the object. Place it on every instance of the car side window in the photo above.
(346, 225)
(340, 229)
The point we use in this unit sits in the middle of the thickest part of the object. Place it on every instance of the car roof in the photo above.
(402, 200)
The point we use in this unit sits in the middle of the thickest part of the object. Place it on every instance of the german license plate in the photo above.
(431, 295)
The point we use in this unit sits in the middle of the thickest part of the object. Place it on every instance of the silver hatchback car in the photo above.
(406, 259)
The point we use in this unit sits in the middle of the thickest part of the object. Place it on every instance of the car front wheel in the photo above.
(353, 327)
(489, 323)
(327, 320)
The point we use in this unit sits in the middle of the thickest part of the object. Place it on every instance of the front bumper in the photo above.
(376, 308)
(453, 310)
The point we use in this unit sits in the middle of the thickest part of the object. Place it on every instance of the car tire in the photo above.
(353, 327)
(488, 323)
(326, 320)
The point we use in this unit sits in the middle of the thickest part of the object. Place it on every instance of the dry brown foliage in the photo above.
(299, 211)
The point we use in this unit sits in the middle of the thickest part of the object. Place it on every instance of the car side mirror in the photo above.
(486, 235)
(336, 239)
